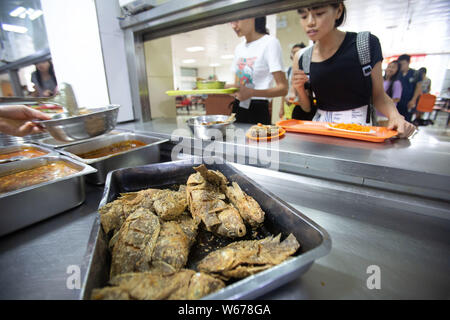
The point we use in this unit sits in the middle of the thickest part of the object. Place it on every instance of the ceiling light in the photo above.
(188, 61)
(17, 11)
(23, 15)
(195, 49)
(36, 14)
(13, 28)
(214, 64)
(227, 56)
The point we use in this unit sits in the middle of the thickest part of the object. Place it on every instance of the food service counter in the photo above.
(419, 166)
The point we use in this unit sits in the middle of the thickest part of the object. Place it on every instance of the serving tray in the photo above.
(380, 133)
(280, 218)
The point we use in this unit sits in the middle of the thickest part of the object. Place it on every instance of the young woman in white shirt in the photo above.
(335, 74)
(257, 63)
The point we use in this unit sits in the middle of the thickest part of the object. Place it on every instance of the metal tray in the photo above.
(280, 217)
(23, 207)
(149, 153)
(51, 142)
(17, 147)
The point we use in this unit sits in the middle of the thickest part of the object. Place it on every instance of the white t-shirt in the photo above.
(254, 63)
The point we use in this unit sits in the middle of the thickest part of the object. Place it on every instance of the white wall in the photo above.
(114, 58)
(74, 41)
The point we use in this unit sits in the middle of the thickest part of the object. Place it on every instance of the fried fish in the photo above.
(205, 196)
(182, 285)
(135, 242)
(242, 258)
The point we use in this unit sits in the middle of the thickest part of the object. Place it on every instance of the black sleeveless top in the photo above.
(338, 82)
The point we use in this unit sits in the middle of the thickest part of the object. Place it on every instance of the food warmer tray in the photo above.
(17, 147)
(51, 142)
(149, 153)
(23, 207)
(280, 217)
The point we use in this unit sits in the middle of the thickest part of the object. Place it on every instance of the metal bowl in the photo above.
(67, 128)
(210, 84)
(209, 132)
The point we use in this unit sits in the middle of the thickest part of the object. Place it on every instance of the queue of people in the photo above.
(338, 79)
(344, 89)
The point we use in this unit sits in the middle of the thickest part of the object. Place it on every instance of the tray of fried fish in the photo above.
(186, 231)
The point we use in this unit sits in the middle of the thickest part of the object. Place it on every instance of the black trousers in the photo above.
(258, 112)
(299, 114)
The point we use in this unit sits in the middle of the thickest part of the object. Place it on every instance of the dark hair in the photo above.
(260, 25)
(339, 21)
(51, 72)
(393, 78)
(299, 45)
(405, 57)
(422, 72)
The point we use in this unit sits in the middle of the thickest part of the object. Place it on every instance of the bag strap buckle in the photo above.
(367, 70)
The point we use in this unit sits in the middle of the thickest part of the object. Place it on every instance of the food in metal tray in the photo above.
(210, 123)
(243, 258)
(24, 152)
(206, 198)
(112, 149)
(248, 208)
(30, 177)
(153, 233)
(168, 204)
(182, 285)
(175, 239)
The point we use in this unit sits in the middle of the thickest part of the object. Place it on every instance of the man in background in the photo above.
(411, 87)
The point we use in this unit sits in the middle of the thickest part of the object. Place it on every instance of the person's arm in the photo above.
(299, 78)
(280, 89)
(386, 106)
(281, 113)
(16, 120)
(417, 92)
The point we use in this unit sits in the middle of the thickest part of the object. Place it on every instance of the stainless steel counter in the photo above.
(419, 166)
(407, 237)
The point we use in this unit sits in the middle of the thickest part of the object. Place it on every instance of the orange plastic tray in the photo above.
(282, 132)
(381, 133)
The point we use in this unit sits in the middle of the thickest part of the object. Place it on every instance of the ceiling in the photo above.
(217, 40)
(403, 26)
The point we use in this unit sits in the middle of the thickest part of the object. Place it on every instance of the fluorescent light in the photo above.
(13, 28)
(188, 60)
(36, 14)
(195, 49)
(23, 15)
(214, 64)
(17, 11)
(227, 56)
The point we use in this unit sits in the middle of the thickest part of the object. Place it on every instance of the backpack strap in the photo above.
(363, 49)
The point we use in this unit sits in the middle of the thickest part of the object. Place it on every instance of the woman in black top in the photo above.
(336, 76)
